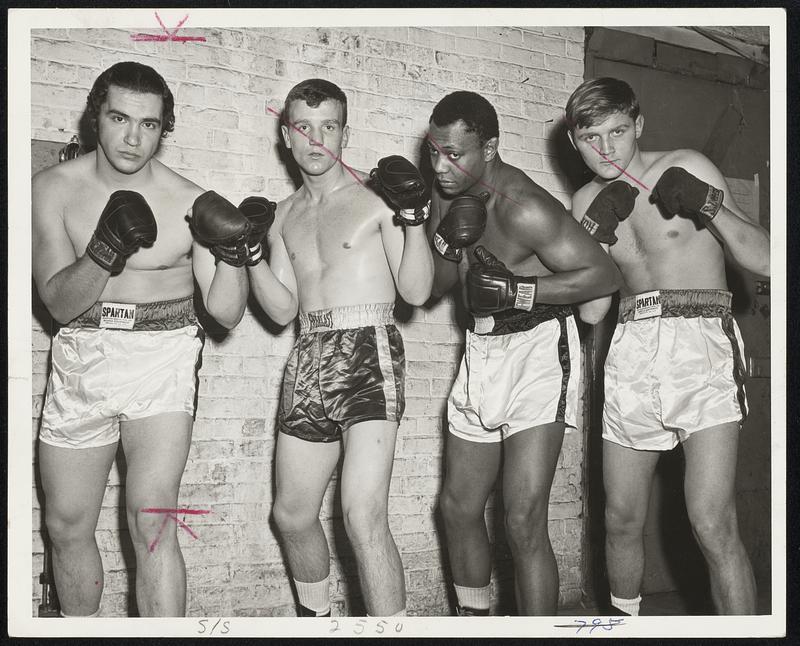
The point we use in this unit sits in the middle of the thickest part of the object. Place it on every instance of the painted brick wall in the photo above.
(226, 140)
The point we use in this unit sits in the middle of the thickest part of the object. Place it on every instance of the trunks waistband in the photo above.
(689, 303)
(348, 317)
(160, 315)
(510, 321)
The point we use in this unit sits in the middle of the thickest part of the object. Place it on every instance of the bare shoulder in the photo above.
(282, 209)
(54, 178)
(686, 158)
(175, 183)
(584, 196)
(524, 202)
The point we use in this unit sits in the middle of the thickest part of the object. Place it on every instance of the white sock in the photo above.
(315, 596)
(96, 613)
(631, 606)
(478, 598)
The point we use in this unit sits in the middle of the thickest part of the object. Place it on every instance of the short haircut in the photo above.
(478, 115)
(594, 101)
(314, 92)
(137, 78)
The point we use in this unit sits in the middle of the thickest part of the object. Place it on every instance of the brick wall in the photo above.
(226, 140)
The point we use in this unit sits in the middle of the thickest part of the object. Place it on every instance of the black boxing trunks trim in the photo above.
(688, 303)
(512, 320)
(339, 376)
(160, 315)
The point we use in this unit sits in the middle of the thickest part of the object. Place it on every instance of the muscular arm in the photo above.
(223, 287)
(746, 241)
(592, 311)
(67, 285)
(581, 269)
(413, 273)
(445, 272)
(275, 286)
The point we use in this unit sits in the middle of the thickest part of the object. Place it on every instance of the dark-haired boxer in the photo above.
(115, 262)
(340, 256)
(674, 369)
(517, 387)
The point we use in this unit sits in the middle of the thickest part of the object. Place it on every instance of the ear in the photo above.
(345, 136)
(571, 139)
(490, 149)
(285, 133)
(639, 125)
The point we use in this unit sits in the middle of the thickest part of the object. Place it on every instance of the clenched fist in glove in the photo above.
(125, 224)
(610, 207)
(260, 212)
(681, 193)
(492, 288)
(401, 184)
(219, 225)
(462, 226)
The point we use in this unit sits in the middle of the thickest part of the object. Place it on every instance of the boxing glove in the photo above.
(260, 212)
(125, 224)
(462, 226)
(401, 184)
(681, 193)
(219, 225)
(491, 287)
(609, 207)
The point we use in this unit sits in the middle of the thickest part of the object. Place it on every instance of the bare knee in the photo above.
(623, 521)
(69, 526)
(291, 516)
(152, 525)
(715, 530)
(526, 524)
(365, 522)
(458, 510)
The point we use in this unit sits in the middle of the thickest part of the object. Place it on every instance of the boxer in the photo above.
(342, 247)
(521, 262)
(674, 371)
(115, 262)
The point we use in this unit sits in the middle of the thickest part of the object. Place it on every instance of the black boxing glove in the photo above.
(462, 226)
(492, 288)
(125, 224)
(680, 192)
(260, 212)
(402, 185)
(610, 207)
(219, 225)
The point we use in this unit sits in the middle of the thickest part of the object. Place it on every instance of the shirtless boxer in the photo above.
(517, 387)
(339, 256)
(674, 371)
(114, 261)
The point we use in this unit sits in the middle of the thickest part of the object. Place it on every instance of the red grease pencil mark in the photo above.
(328, 152)
(172, 514)
(619, 168)
(168, 35)
(491, 188)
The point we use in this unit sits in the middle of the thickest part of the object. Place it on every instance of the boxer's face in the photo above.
(609, 146)
(457, 157)
(316, 136)
(129, 128)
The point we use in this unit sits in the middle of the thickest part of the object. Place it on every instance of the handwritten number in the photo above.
(379, 628)
(360, 625)
(336, 626)
(202, 626)
(582, 625)
(398, 628)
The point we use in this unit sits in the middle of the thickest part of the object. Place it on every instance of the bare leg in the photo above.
(74, 482)
(628, 478)
(470, 474)
(711, 502)
(366, 473)
(528, 470)
(156, 449)
(303, 470)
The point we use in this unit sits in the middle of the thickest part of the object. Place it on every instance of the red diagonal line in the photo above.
(163, 26)
(180, 510)
(329, 152)
(184, 39)
(182, 525)
(466, 172)
(619, 168)
(158, 536)
(158, 37)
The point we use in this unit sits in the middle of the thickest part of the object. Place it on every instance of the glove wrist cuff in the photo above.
(525, 297)
(447, 252)
(712, 204)
(104, 255)
(412, 217)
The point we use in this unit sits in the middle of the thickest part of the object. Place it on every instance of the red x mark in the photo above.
(169, 35)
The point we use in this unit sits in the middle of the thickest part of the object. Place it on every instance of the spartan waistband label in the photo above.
(118, 316)
(648, 305)
(320, 319)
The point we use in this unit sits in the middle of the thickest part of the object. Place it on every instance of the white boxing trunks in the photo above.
(674, 367)
(120, 362)
(520, 370)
